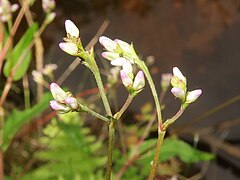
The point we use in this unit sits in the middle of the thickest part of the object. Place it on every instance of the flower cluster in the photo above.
(6, 10)
(122, 54)
(72, 44)
(179, 90)
(63, 101)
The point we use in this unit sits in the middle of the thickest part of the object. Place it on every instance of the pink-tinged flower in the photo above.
(165, 80)
(123, 45)
(48, 5)
(178, 93)
(69, 48)
(6, 10)
(110, 55)
(49, 68)
(177, 73)
(58, 93)
(139, 81)
(59, 107)
(71, 102)
(71, 29)
(127, 81)
(193, 95)
(50, 17)
(107, 43)
(37, 76)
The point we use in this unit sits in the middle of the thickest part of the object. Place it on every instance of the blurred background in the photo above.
(201, 37)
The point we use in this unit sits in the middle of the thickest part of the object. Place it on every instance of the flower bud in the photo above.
(71, 29)
(48, 5)
(37, 76)
(127, 81)
(178, 93)
(72, 103)
(58, 93)
(123, 45)
(50, 17)
(59, 107)
(110, 55)
(177, 73)
(69, 48)
(127, 68)
(118, 62)
(107, 43)
(49, 68)
(139, 81)
(165, 81)
(193, 95)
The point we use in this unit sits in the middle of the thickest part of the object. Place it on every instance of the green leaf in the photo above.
(18, 118)
(18, 51)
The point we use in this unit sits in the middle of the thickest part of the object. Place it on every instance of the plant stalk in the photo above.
(110, 149)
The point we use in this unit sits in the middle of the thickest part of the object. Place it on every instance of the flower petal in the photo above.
(127, 81)
(71, 29)
(139, 81)
(118, 62)
(193, 95)
(107, 43)
(69, 48)
(58, 93)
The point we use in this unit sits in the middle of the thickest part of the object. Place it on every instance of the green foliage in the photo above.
(18, 118)
(172, 147)
(71, 153)
(19, 50)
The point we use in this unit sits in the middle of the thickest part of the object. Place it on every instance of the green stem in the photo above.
(144, 68)
(110, 149)
(156, 156)
(124, 107)
(93, 113)
(1, 143)
(91, 64)
(168, 122)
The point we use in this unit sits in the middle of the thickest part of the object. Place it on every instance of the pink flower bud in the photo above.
(177, 73)
(37, 76)
(107, 43)
(69, 48)
(58, 93)
(59, 107)
(178, 93)
(127, 81)
(139, 81)
(193, 95)
(165, 81)
(71, 29)
(72, 103)
(110, 55)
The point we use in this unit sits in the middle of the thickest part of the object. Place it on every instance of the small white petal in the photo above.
(193, 95)
(107, 43)
(71, 28)
(118, 61)
(139, 81)
(71, 102)
(69, 48)
(59, 107)
(58, 93)
(110, 55)
(14, 7)
(124, 46)
(127, 67)
(127, 81)
(177, 73)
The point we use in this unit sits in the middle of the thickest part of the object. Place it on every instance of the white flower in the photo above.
(127, 81)
(69, 48)
(139, 81)
(71, 29)
(177, 73)
(58, 93)
(127, 67)
(107, 43)
(193, 95)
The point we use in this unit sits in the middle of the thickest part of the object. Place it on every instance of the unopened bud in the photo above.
(59, 107)
(177, 73)
(72, 103)
(71, 29)
(139, 81)
(193, 95)
(107, 43)
(69, 48)
(127, 81)
(178, 93)
(58, 93)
